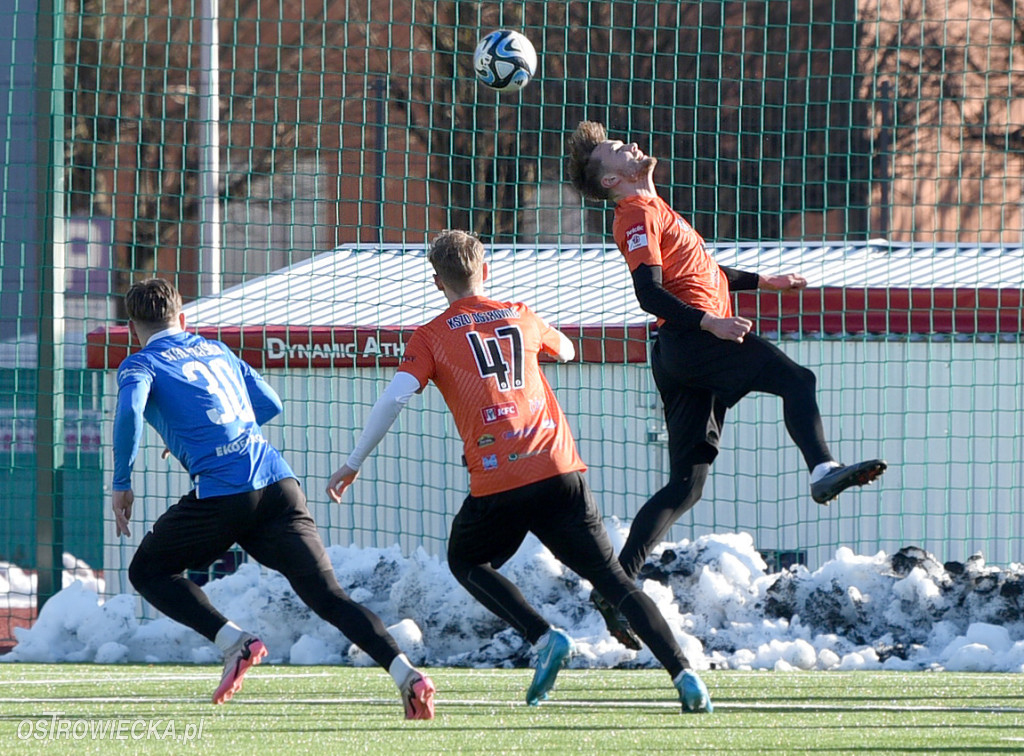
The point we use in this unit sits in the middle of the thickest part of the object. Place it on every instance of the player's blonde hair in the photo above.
(152, 301)
(585, 172)
(457, 257)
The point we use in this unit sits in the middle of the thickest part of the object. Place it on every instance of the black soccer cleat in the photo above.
(840, 478)
(618, 626)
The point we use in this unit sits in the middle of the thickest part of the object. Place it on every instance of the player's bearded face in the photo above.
(642, 168)
(646, 166)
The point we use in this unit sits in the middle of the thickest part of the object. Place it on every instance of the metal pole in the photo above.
(380, 88)
(886, 161)
(210, 261)
(49, 442)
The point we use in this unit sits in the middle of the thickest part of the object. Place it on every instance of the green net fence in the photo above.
(876, 147)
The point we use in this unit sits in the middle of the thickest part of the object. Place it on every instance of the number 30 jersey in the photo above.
(207, 405)
(482, 355)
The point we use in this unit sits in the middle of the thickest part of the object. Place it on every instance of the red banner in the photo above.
(836, 310)
(828, 310)
(346, 347)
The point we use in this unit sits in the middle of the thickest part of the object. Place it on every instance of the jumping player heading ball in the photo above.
(705, 358)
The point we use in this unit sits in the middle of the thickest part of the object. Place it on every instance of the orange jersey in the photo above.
(649, 232)
(482, 355)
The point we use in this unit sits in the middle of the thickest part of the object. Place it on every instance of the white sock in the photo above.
(679, 677)
(400, 669)
(228, 636)
(820, 471)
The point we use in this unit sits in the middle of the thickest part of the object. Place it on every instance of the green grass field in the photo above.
(334, 710)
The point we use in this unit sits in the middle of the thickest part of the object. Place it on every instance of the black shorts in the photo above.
(699, 377)
(272, 524)
(560, 511)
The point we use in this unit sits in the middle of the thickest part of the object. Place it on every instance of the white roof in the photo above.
(585, 285)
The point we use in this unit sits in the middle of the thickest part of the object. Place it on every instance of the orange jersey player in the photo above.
(525, 474)
(704, 358)
(649, 232)
(482, 356)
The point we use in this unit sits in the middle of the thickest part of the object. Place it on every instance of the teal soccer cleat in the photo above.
(693, 694)
(553, 650)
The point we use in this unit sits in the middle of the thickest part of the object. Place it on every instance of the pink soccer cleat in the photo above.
(248, 651)
(418, 696)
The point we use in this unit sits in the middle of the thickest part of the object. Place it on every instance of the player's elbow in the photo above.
(649, 297)
(269, 407)
(566, 349)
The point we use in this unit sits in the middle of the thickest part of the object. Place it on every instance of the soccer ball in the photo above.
(505, 60)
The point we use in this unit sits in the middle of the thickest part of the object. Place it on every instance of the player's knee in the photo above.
(140, 573)
(687, 487)
(613, 584)
(805, 378)
(459, 567)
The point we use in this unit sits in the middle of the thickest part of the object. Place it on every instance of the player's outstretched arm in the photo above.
(383, 415)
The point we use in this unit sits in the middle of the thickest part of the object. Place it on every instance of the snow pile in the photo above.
(902, 612)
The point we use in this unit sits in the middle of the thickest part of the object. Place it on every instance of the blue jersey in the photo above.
(207, 405)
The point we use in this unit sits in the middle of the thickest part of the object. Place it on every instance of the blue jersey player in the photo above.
(208, 406)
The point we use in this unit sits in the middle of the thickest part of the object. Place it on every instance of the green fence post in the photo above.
(50, 212)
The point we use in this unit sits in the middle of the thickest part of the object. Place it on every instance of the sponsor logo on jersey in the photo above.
(514, 456)
(497, 412)
(523, 433)
(240, 444)
(490, 462)
(636, 237)
(485, 440)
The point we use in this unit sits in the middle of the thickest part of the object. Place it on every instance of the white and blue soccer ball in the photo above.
(505, 60)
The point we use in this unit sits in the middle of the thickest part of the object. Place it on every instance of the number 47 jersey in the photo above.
(483, 357)
(207, 405)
